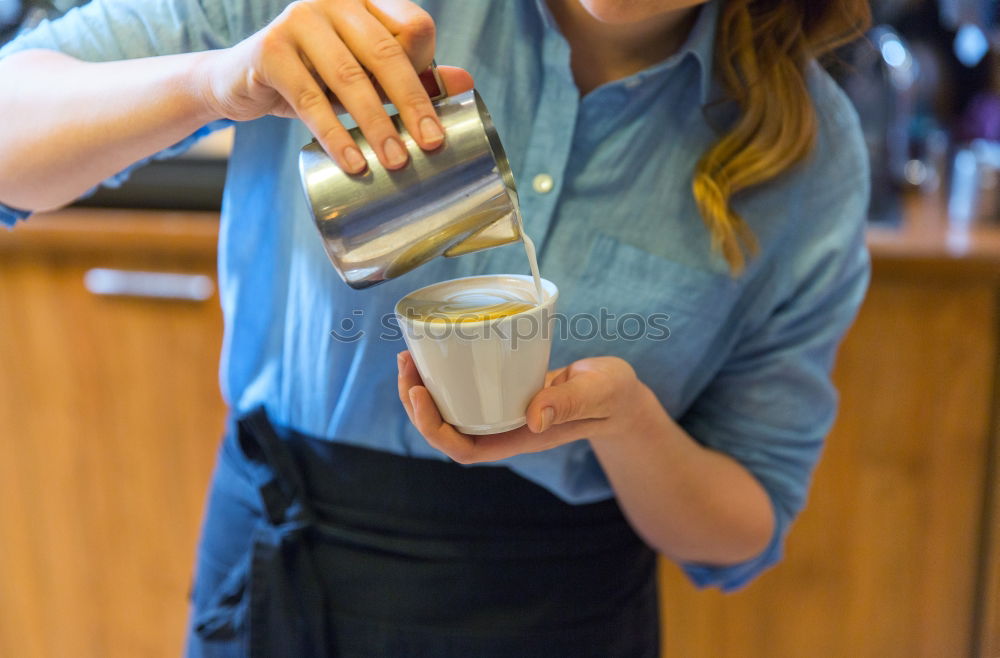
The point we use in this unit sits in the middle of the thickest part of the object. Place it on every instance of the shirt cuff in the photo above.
(735, 576)
(10, 216)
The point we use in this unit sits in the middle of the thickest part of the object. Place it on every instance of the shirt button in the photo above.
(542, 183)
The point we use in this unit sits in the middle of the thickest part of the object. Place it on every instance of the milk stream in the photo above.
(529, 250)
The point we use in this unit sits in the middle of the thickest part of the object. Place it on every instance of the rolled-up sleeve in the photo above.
(773, 402)
(108, 30)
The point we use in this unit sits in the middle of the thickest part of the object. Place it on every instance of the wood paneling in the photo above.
(884, 560)
(109, 420)
(989, 599)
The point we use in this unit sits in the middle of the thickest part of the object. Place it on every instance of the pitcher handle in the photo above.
(431, 80)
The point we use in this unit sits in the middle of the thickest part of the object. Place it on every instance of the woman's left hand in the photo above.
(589, 399)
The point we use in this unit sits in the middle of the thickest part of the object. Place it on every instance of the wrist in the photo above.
(198, 86)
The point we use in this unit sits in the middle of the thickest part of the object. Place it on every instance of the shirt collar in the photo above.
(699, 44)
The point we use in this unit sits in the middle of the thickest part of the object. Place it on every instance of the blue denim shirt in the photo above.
(742, 363)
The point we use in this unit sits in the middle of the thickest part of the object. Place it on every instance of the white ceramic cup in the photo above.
(483, 374)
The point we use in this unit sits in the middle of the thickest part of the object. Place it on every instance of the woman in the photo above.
(677, 157)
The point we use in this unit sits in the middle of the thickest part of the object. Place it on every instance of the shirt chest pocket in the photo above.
(659, 315)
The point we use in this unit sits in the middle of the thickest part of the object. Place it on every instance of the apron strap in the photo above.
(288, 611)
(276, 474)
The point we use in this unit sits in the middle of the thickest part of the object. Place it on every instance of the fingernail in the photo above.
(354, 159)
(395, 154)
(399, 360)
(548, 415)
(430, 130)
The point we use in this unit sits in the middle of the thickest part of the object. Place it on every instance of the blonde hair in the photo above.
(762, 50)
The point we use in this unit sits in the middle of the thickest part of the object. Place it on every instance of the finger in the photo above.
(466, 449)
(455, 80)
(553, 377)
(496, 447)
(410, 370)
(410, 378)
(345, 77)
(579, 397)
(410, 25)
(284, 110)
(463, 448)
(405, 381)
(414, 29)
(438, 433)
(289, 76)
(562, 376)
(380, 52)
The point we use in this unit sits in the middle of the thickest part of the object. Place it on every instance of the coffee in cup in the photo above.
(481, 345)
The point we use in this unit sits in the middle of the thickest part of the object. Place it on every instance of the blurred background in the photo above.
(110, 413)
(925, 83)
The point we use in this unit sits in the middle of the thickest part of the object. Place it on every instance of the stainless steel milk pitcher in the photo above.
(455, 200)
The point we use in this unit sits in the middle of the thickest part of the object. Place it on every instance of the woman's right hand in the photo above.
(313, 62)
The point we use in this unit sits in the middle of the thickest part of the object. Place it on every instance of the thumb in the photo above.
(577, 398)
(455, 80)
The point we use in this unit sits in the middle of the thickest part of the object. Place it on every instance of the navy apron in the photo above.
(312, 548)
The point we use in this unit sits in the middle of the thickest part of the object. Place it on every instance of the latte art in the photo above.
(468, 305)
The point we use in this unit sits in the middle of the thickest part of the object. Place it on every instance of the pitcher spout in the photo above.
(503, 231)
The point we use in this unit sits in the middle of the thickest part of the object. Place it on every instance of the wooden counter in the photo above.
(105, 231)
(926, 248)
(110, 417)
(926, 245)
